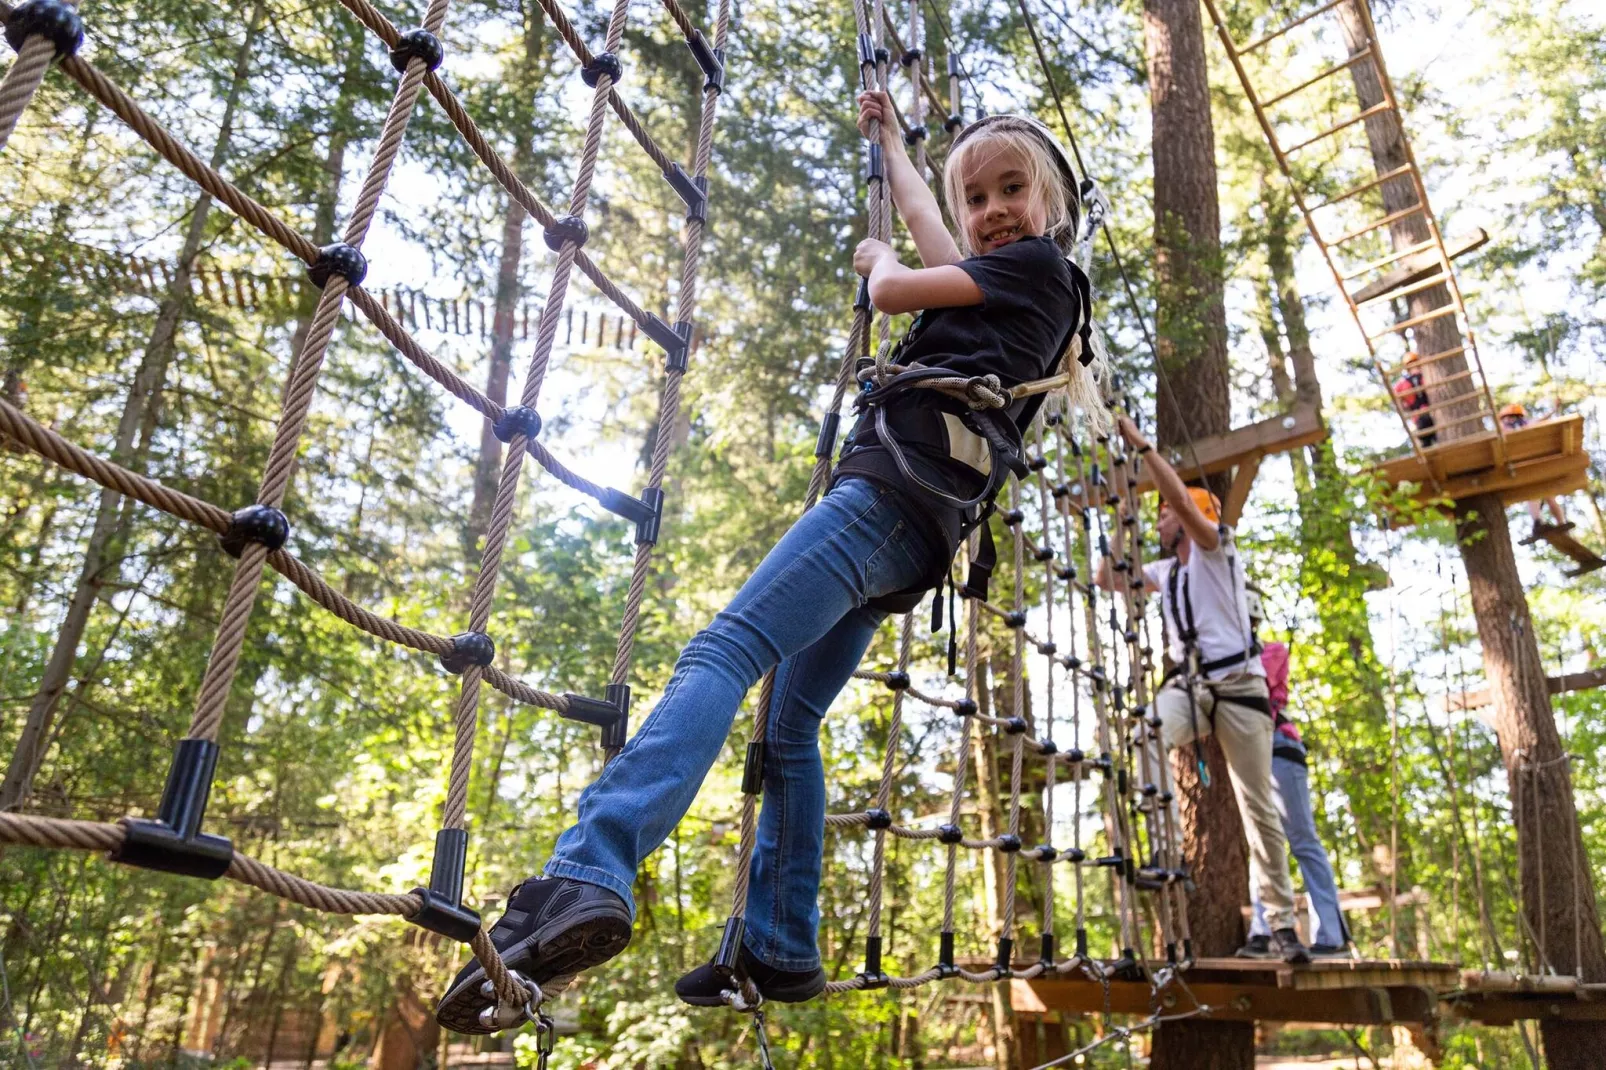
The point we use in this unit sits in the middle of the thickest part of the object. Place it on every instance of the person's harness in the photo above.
(1193, 670)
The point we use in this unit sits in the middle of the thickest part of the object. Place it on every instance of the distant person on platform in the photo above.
(1409, 389)
(1511, 418)
(1329, 935)
(1203, 600)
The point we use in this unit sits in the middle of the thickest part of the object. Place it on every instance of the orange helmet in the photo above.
(1205, 502)
(1513, 411)
(1412, 357)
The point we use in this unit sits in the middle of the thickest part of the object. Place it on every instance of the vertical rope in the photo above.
(669, 403)
(1068, 552)
(1017, 688)
(961, 764)
(1040, 463)
(22, 80)
(883, 795)
(297, 401)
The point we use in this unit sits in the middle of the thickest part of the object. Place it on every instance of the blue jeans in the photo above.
(1299, 823)
(803, 610)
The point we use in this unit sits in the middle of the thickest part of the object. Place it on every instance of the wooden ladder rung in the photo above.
(1421, 247)
(1402, 291)
(1375, 109)
(1244, 51)
(1432, 358)
(1392, 217)
(1398, 172)
(1439, 425)
(1414, 321)
(1473, 397)
(1328, 73)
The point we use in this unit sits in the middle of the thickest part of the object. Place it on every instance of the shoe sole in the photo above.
(581, 943)
(1256, 956)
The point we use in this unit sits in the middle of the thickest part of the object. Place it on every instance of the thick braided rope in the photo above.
(1017, 687)
(465, 716)
(22, 80)
(669, 403)
(1048, 682)
(1174, 898)
(883, 795)
(297, 402)
(961, 772)
(819, 479)
(1067, 553)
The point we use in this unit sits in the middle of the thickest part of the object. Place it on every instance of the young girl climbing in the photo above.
(918, 469)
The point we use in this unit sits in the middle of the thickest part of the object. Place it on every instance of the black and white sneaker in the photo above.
(704, 987)
(1257, 947)
(553, 927)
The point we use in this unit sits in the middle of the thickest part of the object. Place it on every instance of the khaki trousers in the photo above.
(1245, 736)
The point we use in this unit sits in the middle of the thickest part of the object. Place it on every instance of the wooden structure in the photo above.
(1560, 539)
(1522, 464)
(1544, 459)
(1456, 701)
(1240, 451)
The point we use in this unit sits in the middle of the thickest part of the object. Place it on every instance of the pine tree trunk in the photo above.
(1193, 401)
(100, 565)
(1558, 887)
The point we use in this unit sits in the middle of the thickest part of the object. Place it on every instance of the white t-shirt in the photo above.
(1212, 582)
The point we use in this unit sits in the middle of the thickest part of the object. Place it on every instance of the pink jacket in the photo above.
(1274, 656)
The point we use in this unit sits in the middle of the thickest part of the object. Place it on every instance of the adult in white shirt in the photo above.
(1206, 611)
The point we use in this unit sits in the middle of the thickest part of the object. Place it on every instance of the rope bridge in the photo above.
(1086, 514)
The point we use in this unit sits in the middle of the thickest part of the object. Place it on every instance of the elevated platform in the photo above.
(1456, 701)
(1343, 991)
(1499, 998)
(1241, 450)
(1545, 459)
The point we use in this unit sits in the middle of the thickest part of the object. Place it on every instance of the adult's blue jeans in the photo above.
(804, 610)
(1299, 823)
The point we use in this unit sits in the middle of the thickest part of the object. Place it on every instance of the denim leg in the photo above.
(783, 908)
(855, 544)
(1293, 782)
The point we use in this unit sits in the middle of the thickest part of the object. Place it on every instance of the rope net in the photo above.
(1086, 513)
(50, 32)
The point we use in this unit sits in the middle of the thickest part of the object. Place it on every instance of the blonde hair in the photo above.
(1084, 394)
(1008, 133)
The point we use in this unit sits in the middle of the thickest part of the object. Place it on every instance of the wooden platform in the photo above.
(1241, 450)
(1419, 266)
(1504, 999)
(1456, 701)
(1339, 991)
(1546, 459)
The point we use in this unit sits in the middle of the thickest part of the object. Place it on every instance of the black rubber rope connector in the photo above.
(255, 523)
(602, 63)
(340, 259)
(468, 648)
(566, 228)
(420, 44)
(55, 21)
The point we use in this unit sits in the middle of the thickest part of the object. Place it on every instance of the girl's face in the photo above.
(1000, 205)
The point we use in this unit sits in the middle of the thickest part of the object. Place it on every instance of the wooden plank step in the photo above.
(1417, 266)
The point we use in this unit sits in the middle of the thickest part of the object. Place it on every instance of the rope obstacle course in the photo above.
(1081, 511)
(51, 31)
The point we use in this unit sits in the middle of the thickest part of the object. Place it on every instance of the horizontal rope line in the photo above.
(53, 447)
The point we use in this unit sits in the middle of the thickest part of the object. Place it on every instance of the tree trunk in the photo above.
(1191, 317)
(1193, 401)
(100, 564)
(1558, 887)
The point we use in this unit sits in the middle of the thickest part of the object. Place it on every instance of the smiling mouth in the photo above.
(1003, 235)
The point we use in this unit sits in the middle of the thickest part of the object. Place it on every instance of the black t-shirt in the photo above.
(1033, 299)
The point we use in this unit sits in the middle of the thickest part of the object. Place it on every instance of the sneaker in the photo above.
(553, 927)
(1258, 947)
(706, 987)
(1288, 946)
(1329, 951)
